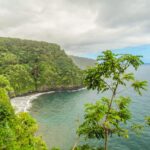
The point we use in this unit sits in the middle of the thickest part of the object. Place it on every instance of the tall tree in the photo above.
(110, 114)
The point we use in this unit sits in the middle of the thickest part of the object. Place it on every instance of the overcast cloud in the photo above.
(79, 26)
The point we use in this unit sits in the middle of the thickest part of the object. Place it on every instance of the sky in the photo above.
(143, 50)
(81, 27)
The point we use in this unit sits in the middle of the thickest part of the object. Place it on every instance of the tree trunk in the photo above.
(106, 140)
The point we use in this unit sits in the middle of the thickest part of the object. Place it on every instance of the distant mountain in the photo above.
(83, 62)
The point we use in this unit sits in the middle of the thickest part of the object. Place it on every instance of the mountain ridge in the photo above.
(83, 62)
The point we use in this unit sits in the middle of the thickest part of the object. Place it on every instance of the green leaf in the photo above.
(147, 119)
(139, 86)
(128, 77)
(137, 128)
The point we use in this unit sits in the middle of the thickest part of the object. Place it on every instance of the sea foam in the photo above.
(24, 103)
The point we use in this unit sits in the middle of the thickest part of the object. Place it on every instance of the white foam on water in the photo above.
(24, 103)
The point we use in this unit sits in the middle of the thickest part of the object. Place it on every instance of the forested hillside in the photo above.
(82, 62)
(17, 131)
(36, 66)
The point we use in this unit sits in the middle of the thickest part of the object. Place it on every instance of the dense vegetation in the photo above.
(36, 66)
(31, 66)
(17, 131)
(110, 115)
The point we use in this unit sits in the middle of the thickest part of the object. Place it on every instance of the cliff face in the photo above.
(37, 66)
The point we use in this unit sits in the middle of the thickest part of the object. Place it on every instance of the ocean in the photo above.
(59, 115)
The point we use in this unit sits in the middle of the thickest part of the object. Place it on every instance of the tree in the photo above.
(8, 59)
(47, 76)
(25, 128)
(17, 131)
(19, 78)
(110, 114)
(5, 84)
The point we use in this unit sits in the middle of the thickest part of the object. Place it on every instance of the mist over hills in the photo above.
(83, 62)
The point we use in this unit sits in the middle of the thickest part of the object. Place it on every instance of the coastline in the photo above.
(24, 103)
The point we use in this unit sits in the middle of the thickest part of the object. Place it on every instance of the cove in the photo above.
(58, 115)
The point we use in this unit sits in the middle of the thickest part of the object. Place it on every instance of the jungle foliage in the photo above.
(17, 131)
(37, 66)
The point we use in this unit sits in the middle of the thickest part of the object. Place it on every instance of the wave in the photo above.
(24, 103)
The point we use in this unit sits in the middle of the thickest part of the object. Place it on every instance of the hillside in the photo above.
(36, 66)
(82, 62)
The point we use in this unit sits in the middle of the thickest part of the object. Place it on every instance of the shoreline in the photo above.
(24, 103)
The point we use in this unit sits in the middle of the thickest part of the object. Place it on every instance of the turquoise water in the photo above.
(58, 115)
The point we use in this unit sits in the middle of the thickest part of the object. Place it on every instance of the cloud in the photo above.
(79, 26)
